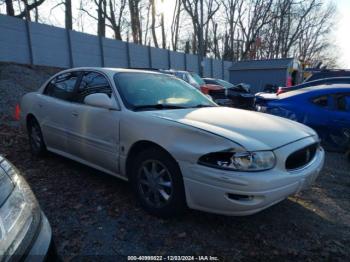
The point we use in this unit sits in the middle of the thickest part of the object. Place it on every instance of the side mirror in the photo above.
(100, 100)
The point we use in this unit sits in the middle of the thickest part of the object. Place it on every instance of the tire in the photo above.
(157, 182)
(36, 140)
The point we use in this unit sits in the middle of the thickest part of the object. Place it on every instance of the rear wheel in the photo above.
(36, 141)
(158, 184)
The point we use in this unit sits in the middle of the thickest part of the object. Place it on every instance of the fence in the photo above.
(38, 44)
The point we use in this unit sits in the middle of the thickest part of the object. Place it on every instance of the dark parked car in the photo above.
(25, 232)
(325, 108)
(195, 80)
(328, 73)
(323, 81)
(239, 95)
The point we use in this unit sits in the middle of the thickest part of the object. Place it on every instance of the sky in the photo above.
(341, 32)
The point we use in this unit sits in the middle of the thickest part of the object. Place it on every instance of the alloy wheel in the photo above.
(35, 136)
(155, 183)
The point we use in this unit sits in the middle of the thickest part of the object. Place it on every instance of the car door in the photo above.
(318, 115)
(340, 126)
(53, 108)
(93, 133)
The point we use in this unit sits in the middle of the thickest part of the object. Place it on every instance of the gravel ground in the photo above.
(95, 214)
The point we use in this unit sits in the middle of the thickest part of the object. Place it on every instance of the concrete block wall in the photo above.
(33, 43)
(14, 45)
(49, 45)
(115, 54)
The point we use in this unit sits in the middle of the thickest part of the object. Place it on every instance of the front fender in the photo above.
(183, 142)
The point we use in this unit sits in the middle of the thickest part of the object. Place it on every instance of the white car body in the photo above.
(103, 138)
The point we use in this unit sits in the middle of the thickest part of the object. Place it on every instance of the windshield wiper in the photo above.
(201, 105)
(158, 106)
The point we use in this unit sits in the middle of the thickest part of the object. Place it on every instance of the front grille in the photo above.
(302, 157)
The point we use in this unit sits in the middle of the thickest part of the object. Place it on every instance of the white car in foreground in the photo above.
(172, 143)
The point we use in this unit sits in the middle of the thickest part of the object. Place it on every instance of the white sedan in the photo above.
(175, 146)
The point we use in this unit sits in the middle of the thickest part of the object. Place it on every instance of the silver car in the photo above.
(175, 146)
(25, 232)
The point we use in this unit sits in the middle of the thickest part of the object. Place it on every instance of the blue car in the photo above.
(325, 108)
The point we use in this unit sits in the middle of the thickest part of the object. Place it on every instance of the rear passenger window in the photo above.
(321, 101)
(92, 83)
(62, 86)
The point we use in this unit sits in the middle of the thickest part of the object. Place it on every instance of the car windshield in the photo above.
(224, 83)
(197, 78)
(147, 91)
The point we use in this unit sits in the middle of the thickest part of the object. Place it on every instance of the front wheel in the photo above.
(157, 183)
(36, 140)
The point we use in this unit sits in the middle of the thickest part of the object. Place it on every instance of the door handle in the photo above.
(74, 113)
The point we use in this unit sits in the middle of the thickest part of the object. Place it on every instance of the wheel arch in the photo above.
(141, 146)
(30, 117)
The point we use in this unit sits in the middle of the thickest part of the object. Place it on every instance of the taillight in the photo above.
(289, 81)
(17, 112)
(205, 90)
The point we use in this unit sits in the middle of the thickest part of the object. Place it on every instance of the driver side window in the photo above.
(321, 101)
(92, 83)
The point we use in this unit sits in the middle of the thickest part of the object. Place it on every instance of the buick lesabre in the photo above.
(175, 146)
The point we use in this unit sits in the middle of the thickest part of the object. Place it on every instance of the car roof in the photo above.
(327, 87)
(328, 79)
(110, 70)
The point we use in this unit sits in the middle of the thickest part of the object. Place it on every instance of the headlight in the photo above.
(262, 109)
(240, 161)
(19, 214)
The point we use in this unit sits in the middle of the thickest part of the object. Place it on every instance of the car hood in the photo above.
(252, 130)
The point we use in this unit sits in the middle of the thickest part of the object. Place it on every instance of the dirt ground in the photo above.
(93, 214)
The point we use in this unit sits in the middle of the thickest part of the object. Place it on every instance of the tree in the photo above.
(135, 21)
(26, 11)
(115, 18)
(153, 23)
(101, 17)
(68, 14)
(175, 25)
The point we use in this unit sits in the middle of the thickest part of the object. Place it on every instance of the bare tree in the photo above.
(194, 10)
(175, 25)
(68, 14)
(101, 17)
(115, 17)
(162, 26)
(153, 23)
(135, 21)
(26, 10)
(9, 8)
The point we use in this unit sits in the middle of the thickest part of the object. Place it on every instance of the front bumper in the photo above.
(25, 230)
(245, 193)
(42, 247)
